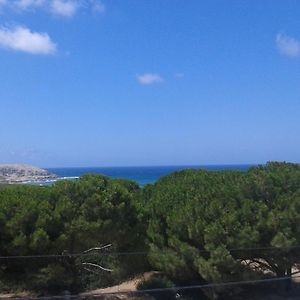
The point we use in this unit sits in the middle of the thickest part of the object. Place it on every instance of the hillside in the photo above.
(18, 173)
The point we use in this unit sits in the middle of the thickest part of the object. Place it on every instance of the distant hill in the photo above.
(17, 173)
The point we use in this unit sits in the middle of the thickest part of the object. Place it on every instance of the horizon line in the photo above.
(157, 166)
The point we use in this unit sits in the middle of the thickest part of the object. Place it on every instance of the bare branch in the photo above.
(294, 273)
(261, 263)
(97, 266)
(97, 248)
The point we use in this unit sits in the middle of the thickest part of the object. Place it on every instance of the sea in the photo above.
(141, 175)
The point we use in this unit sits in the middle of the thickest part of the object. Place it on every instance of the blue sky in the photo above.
(149, 82)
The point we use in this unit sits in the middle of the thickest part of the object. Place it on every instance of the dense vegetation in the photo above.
(196, 226)
(70, 217)
(201, 222)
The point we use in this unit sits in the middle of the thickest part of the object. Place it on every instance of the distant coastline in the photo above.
(23, 174)
(30, 175)
(141, 175)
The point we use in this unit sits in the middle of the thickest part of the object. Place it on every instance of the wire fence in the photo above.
(112, 253)
(175, 291)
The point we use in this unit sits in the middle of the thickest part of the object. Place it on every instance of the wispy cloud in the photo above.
(288, 45)
(27, 4)
(149, 78)
(64, 8)
(98, 6)
(22, 39)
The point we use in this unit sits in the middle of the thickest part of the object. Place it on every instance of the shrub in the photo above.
(158, 282)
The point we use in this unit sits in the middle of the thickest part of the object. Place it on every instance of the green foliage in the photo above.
(194, 225)
(158, 282)
(54, 278)
(69, 217)
(155, 282)
(198, 217)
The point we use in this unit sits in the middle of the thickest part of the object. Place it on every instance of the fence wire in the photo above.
(107, 253)
(176, 290)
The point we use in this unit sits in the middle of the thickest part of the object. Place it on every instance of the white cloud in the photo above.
(288, 45)
(149, 78)
(26, 4)
(65, 8)
(98, 6)
(24, 40)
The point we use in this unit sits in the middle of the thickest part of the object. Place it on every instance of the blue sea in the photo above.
(141, 175)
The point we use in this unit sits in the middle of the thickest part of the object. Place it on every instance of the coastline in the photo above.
(141, 175)
(48, 181)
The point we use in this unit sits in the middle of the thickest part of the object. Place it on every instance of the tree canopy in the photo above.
(68, 218)
(197, 226)
(203, 222)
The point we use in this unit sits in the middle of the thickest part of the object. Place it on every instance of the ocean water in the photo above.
(141, 175)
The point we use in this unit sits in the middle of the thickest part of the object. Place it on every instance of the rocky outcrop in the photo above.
(11, 174)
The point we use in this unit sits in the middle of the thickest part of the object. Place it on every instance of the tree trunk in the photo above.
(289, 283)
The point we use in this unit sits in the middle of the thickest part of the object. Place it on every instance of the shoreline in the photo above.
(38, 182)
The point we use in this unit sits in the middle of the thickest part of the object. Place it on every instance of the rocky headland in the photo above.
(14, 174)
